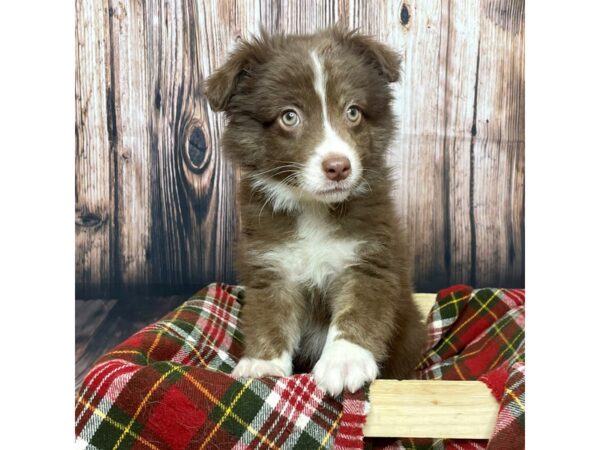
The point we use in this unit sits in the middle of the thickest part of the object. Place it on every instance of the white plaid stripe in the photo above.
(291, 411)
(294, 409)
(198, 339)
(513, 298)
(105, 404)
(220, 319)
(263, 392)
(81, 444)
(437, 327)
(228, 319)
(108, 369)
(512, 410)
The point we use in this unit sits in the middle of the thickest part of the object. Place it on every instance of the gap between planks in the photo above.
(430, 408)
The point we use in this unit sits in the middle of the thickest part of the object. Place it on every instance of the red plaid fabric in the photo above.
(167, 386)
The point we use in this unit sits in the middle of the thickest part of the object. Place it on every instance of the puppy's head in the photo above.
(309, 116)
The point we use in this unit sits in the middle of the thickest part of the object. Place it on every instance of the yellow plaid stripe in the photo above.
(141, 405)
(228, 412)
(160, 333)
(509, 346)
(454, 302)
(485, 307)
(447, 339)
(222, 323)
(166, 329)
(515, 398)
(498, 331)
(126, 352)
(224, 407)
(466, 322)
(114, 423)
(330, 430)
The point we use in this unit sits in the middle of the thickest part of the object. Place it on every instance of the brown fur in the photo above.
(370, 301)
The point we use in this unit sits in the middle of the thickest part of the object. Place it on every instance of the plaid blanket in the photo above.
(166, 387)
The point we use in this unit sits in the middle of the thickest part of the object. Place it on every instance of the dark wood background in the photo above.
(155, 200)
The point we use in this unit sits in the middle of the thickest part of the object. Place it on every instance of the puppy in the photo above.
(326, 268)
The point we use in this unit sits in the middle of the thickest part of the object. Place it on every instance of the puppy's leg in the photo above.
(270, 322)
(362, 325)
(408, 343)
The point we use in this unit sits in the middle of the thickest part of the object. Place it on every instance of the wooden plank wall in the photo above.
(155, 208)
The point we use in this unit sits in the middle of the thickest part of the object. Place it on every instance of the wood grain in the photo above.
(498, 148)
(172, 196)
(93, 169)
(130, 73)
(417, 155)
(432, 408)
(156, 200)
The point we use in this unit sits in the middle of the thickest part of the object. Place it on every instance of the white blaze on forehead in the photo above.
(332, 144)
(320, 84)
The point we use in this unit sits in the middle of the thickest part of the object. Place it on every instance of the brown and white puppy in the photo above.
(325, 265)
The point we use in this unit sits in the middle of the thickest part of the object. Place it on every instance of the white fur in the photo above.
(343, 365)
(281, 196)
(315, 254)
(256, 368)
(313, 178)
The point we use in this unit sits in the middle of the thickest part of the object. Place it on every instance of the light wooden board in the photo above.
(424, 303)
(434, 409)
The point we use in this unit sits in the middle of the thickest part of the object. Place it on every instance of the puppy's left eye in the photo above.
(290, 118)
(353, 114)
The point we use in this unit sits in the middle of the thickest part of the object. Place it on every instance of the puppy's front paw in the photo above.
(256, 368)
(344, 365)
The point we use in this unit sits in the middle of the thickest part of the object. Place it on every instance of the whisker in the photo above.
(267, 200)
(274, 169)
(289, 177)
(289, 162)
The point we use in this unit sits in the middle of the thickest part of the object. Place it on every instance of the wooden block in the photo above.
(432, 409)
(424, 303)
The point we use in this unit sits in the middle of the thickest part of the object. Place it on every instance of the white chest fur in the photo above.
(314, 255)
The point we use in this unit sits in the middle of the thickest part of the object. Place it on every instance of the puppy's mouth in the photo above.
(334, 190)
(333, 194)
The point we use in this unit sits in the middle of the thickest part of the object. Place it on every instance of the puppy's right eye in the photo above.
(290, 118)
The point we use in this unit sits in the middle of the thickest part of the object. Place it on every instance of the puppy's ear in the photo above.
(222, 84)
(382, 57)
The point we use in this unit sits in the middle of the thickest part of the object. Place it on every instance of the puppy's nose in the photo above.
(337, 168)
